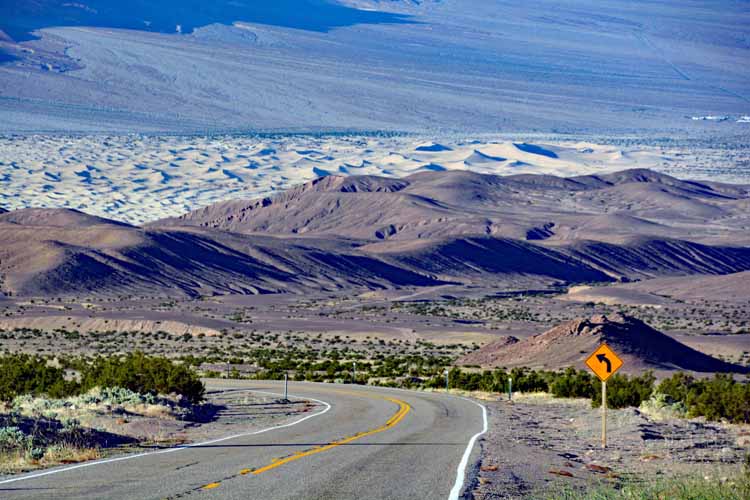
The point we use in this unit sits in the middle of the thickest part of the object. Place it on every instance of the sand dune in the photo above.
(138, 179)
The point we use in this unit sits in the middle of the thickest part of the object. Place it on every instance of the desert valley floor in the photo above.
(403, 243)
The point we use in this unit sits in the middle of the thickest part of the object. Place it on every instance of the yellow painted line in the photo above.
(404, 408)
(211, 486)
(245, 471)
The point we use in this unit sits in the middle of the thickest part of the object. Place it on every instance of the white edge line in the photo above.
(461, 471)
(176, 448)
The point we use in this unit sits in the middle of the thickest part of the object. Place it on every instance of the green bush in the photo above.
(526, 380)
(720, 397)
(573, 383)
(24, 374)
(145, 375)
(624, 391)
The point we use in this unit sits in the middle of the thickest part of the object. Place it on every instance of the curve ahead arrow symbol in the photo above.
(603, 359)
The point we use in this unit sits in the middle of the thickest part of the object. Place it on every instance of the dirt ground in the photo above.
(537, 444)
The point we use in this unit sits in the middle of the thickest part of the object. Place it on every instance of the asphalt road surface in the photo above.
(359, 442)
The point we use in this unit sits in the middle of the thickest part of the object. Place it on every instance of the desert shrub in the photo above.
(718, 398)
(677, 386)
(573, 383)
(526, 380)
(624, 391)
(661, 407)
(116, 396)
(145, 375)
(13, 438)
(24, 374)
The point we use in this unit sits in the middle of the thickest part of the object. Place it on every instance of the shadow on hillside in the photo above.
(19, 19)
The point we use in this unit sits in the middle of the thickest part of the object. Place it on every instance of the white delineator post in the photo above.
(510, 388)
(446, 380)
(286, 386)
(604, 414)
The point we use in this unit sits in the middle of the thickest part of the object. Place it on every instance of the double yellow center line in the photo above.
(395, 419)
(403, 409)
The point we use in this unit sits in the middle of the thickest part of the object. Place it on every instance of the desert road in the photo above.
(357, 442)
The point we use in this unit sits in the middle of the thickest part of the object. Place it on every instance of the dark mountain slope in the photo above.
(647, 258)
(486, 256)
(460, 203)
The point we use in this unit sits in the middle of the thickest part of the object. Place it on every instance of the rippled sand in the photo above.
(138, 179)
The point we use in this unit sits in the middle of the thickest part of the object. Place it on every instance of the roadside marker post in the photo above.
(447, 374)
(354, 372)
(510, 388)
(286, 386)
(604, 363)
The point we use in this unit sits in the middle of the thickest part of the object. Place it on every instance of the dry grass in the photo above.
(150, 410)
(69, 455)
(677, 488)
(20, 460)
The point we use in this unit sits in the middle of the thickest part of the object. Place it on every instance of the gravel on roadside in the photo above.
(537, 444)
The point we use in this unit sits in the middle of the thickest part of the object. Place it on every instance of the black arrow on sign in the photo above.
(603, 359)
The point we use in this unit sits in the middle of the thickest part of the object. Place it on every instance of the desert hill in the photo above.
(458, 203)
(110, 258)
(569, 344)
(66, 218)
(428, 229)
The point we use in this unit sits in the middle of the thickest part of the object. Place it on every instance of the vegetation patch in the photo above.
(683, 488)
(52, 415)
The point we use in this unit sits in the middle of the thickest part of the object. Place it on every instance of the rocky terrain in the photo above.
(638, 345)
(538, 447)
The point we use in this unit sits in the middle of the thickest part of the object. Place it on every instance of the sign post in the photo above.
(604, 363)
(604, 413)
(447, 373)
(286, 386)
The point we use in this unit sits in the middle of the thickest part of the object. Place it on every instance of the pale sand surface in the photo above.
(137, 179)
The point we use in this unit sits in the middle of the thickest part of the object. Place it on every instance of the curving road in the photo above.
(361, 442)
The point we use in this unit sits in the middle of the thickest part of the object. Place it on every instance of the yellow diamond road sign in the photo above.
(604, 362)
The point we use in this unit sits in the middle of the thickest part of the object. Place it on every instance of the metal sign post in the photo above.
(286, 386)
(604, 414)
(604, 363)
(446, 379)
